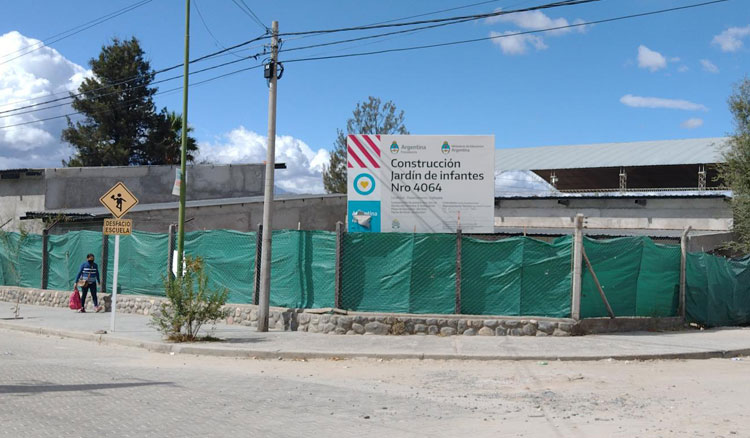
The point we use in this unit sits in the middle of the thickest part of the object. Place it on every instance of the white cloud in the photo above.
(683, 68)
(40, 75)
(650, 59)
(709, 66)
(731, 39)
(304, 166)
(657, 102)
(521, 182)
(516, 44)
(674, 59)
(692, 123)
(536, 20)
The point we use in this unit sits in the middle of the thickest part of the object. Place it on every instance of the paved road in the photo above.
(53, 387)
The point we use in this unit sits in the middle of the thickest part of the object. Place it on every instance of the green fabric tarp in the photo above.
(229, 260)
(303, 267)
(516, 276)
(638, 276)
(143, 263)
(404, 273)
(67, 252)
(21, 259)
(718, 290)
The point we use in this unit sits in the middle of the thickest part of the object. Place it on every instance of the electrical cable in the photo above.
(473, 40)
(132, 78)
(74, 31)
(217, 43)
(249, 12)
(443, 20)
(120, 104)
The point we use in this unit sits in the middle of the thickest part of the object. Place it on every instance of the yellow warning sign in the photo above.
(118, 226)
(119, 200)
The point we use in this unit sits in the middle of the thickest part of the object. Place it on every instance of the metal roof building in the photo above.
(645, 165)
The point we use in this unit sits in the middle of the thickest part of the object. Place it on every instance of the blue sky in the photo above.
(659, 77)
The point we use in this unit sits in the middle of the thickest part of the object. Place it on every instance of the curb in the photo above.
(163, 347)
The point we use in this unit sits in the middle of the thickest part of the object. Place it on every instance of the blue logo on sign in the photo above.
(364, 184)
(363, 216)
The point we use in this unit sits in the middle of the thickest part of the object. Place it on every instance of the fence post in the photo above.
(339, 255)
(682, 309)
(459, 236)
(103, 265)
(170, 250)
(45, 258)
(575, 307)
(258, 248)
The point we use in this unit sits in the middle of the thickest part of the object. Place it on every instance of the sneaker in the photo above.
(98, 309)
(81, 310)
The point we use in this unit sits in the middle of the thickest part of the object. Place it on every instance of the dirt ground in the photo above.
(209, 396)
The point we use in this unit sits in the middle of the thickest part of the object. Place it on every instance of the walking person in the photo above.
(88, 279)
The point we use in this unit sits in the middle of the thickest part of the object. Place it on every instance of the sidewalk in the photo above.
(240, 341)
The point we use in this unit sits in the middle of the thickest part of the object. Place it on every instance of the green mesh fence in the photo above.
(718, 290)
(303, 268)
(143, 263)
(393, 272)
(229, 260)
(21, 259)
(516, 276)
(638, 276)
(66, 252)
(411, 273)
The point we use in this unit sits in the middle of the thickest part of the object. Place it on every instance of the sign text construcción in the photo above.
(421, 183)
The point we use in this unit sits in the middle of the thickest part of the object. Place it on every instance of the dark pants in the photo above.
(85, 289)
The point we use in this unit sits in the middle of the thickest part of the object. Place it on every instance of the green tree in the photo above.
(120, 125)
(370, 117)
(735, 171)
(165, 140)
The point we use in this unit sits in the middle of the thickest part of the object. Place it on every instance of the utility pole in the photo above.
(265, 258)
(183, 148)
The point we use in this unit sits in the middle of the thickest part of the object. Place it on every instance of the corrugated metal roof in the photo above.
(640, 153)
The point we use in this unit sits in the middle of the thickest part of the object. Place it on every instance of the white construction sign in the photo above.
(421, 183)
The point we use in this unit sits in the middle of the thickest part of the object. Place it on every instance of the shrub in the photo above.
(190, 304)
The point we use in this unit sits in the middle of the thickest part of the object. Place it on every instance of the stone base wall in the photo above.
(355, 323)
(443, 325)
(239, 314)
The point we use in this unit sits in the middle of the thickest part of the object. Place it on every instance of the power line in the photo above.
(73, 31)
(136, 77)
(217, 43)
(458, 19)
(249, 12)
(452, 43)
(121, 104)
(213, 67)
(438, 12)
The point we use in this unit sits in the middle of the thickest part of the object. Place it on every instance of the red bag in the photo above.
(75, 300)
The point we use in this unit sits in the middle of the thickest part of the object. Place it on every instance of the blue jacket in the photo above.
(89, 272)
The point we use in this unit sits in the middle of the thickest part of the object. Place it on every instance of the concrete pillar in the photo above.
(575, 305)
(45, 258)
(459, 237)
(104, 263)
(339, 256)
(258, 250)
(683, 274)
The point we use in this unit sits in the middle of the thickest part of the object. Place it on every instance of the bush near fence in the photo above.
(412, 273)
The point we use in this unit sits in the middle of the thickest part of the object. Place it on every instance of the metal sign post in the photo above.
(118, 200)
